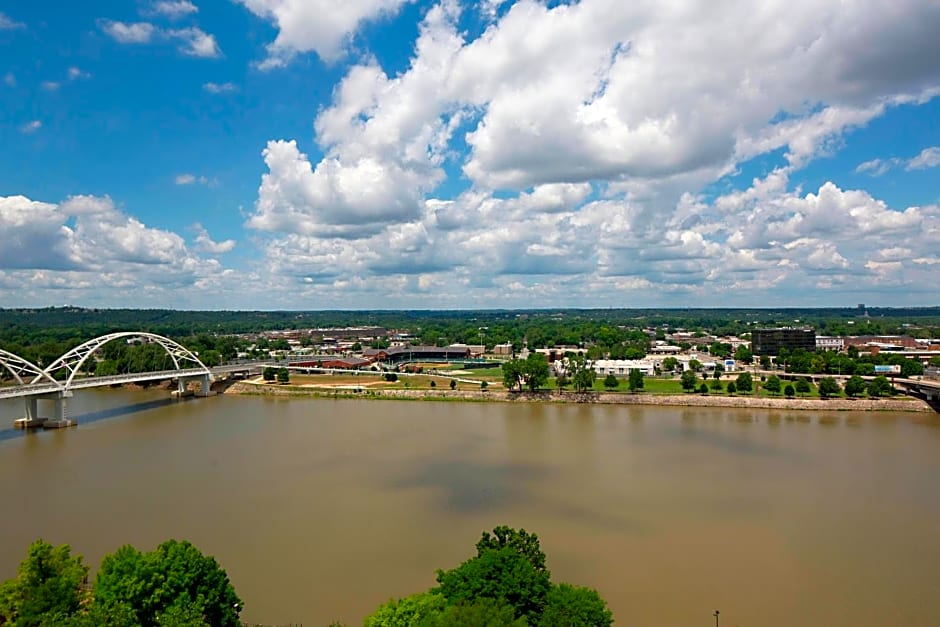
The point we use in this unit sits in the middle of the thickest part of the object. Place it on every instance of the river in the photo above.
(320, 510)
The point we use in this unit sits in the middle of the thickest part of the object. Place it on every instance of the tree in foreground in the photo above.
(773, 384)
(688, 380)
(732, 388)
(172, 582)
(505, 584)
(636, 380)
(283, 376)
(269, 374)
(453, 384)
(582, 374)
(536, 371)
(49, 588)
(828, 387)
(745, 382)
(788, 391)
(703, 388)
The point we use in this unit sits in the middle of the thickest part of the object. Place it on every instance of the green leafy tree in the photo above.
(513, 374)
(670, 364)
(828, 387)
(854, 386)
(283, 376)
(573, 606)
(484, 385)
(745, 383)
(561, 380)
(582, 374)
(911, 368)
(269, 374)
(719, 370)
(418, 609)
(695, 365)
(715, 385)
(773, 384)
(611, 382)
(765, 362)
(509, 567)
(732, 388)
(688, 380)
(48, 589)
(788, 391)
(636, 380)
(174, 575)
(453, 384)
(433, 383)
(802, 387)
(479, 613)
(880, 386)
(210, 358)
(391, 377)
(536, 371)
(703, 388)
(743, 354)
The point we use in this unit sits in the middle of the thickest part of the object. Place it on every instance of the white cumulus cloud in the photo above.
(321, 26)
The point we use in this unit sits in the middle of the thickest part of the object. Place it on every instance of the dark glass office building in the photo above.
(770, 341)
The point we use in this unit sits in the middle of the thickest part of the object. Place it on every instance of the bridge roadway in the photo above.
(41, 389)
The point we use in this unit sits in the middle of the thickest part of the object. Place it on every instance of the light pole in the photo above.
(716, 617)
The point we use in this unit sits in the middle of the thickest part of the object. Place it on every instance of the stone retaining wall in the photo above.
(681, 400)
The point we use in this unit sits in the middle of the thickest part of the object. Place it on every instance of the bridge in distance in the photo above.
(56, 382)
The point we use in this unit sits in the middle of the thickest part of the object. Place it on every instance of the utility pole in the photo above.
(716, 617)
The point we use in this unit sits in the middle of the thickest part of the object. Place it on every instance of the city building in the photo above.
(621, 367)
(770, 341)
(830, 343)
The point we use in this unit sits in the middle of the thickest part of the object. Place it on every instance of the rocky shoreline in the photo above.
(678, 400)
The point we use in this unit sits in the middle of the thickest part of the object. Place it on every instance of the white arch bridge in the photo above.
(58, 380)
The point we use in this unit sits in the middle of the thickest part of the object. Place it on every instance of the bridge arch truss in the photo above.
(72, 361)
(20, 367)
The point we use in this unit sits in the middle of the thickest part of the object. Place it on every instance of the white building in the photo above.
(621, 367)
(830, 343)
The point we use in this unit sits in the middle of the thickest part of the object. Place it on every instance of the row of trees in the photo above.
(506, 583)
(827, 387)
(271, 374)
(173, 585)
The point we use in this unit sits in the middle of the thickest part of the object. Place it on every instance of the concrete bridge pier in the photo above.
(183, 388)
(59, 418)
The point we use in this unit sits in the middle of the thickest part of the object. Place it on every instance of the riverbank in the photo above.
(906, 404)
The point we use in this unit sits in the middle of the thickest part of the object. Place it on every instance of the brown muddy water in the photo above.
(320, 510)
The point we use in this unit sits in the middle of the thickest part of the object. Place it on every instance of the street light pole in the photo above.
(716, 617)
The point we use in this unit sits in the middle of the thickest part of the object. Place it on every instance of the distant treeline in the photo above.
(43, 334)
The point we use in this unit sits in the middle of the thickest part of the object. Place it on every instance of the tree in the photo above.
(502, 575)
(745, 383)
(536, 371)
(391, 377)
(611, 382)
(525, 543)
(483, 386)
(743, 354)
(773, 384)
(582, 374)
(670, 363)
(418, 609)
(174, 575)
(802, 386)
(283, 376)
(513, 373)
(719, 370)
(48, 588)
(688, 380)
(453, 384)
(765, 362)
(695, 365)
(880, 386)
(732, 388)
(788, 391)
(715, 385)
(636, 380)
(911, 368)
(433, 383)
(854, 386)
(703, 388)
(828, 387)
(210, 358)
(269, 374)
(573, 606)
(561, 380)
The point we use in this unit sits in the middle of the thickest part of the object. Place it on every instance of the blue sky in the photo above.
(309, 154)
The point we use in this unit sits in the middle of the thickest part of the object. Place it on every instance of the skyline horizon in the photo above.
(448, 154)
